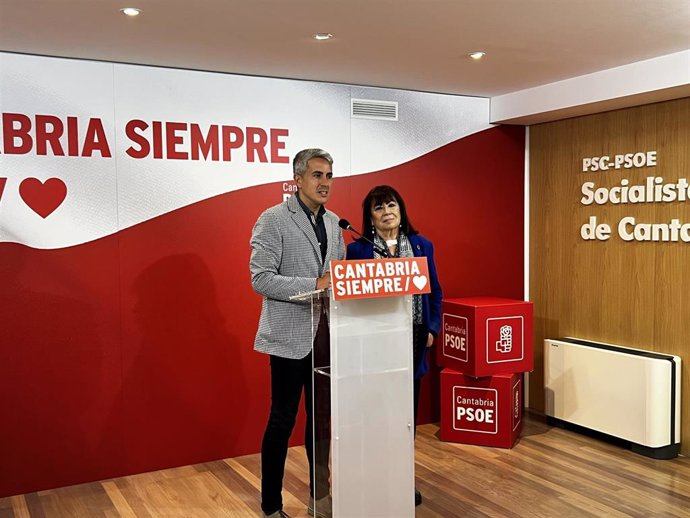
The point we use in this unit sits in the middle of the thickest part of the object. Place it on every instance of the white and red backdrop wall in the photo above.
(127, 199)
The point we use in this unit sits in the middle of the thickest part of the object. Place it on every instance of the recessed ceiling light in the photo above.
(322, 36)
(477, 55)
(131, 11)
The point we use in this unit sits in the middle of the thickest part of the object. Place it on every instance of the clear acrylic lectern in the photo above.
(363, 412)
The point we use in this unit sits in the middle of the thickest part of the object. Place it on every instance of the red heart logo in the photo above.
(43, 197)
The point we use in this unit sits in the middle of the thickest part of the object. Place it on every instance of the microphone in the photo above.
(345, 225)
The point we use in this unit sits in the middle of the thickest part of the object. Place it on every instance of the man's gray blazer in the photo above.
(285, 261)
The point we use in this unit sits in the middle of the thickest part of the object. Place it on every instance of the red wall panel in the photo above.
(134, 352)
(60, 368)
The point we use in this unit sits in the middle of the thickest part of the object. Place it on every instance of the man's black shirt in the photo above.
(318, 226)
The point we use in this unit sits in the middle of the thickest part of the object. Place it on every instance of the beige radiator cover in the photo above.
(618, 393)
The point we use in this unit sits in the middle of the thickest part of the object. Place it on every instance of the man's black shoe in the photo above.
(417, 497)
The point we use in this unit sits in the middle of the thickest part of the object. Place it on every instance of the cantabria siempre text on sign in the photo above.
(367, 278)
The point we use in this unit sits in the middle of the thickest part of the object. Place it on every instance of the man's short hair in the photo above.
(301, 160)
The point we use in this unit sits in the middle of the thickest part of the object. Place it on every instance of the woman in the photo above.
(385, 221)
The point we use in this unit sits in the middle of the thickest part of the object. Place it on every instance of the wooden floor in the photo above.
(550, 473)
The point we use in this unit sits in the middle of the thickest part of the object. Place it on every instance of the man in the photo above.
(292, 246)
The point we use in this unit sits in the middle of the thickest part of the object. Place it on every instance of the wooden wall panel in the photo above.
(629, 293)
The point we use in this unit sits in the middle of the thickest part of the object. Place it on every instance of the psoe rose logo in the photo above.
(505, 339)
(505, 343)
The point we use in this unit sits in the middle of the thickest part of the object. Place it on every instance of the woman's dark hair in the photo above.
(383, 194)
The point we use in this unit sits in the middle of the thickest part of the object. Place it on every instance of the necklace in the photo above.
(391, 242)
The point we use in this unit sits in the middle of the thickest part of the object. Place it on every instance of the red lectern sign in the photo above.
(368, 278)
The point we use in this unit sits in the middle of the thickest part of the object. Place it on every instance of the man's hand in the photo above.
(430, 340)
(324, 282)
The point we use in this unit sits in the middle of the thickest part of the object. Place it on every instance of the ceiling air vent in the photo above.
(378, 110)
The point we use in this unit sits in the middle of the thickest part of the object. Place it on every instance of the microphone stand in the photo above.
(345, 225)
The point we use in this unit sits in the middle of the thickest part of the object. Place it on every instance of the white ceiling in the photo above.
(409, 44)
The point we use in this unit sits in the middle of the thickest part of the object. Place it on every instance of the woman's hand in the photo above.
(430, 340)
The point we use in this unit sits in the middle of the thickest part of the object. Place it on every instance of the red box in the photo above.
(483, 336)
(483, 411)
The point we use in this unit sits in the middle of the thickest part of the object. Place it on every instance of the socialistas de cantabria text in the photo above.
(653, 189)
